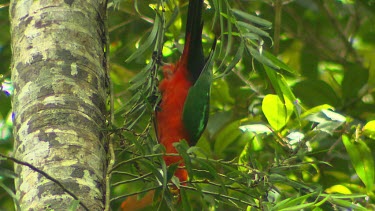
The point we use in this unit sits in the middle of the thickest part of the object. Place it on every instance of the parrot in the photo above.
(182, 112)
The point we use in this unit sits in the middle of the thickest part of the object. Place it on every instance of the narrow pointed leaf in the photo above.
(252, 18)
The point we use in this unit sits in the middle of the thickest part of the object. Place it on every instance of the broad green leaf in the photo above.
(315, 92)
(362, 160)
(369, 129)
(334, 116)
(355, 77)
(315, 110)
(277, 112)
(281, 87)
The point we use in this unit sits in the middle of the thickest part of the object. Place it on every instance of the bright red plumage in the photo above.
(174, 89)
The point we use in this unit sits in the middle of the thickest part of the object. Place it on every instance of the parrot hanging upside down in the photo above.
(176, 118)
(185, 90)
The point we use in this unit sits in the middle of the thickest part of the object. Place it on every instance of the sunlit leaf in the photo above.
(334, 116)
(150, 39)
(276, 112)
(256, 128)
(362, 160)
(369, 129)
(338, 189)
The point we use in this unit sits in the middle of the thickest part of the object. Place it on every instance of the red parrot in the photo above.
(178, 79)
(185, 89)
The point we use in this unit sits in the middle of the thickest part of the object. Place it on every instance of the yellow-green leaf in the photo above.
(361, 158)
(369, 129)
(276, 112)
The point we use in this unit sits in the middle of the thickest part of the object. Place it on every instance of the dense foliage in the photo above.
(292, 105)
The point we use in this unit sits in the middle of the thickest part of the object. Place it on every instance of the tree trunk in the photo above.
(60, 91)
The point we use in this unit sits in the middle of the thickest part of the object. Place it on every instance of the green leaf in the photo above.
(277, 112)
(206, 165)
(274, 78)
(316, 109)
(355, 77)
(328, 120)
(277, 178)
(253, 29)
(256, 128)
(226, 137)
(334, 116)
(182, 147)
(261, 58)
(348, 204)
(253, 18)
(369, 129)
(315, 92)
(150, 39)
(279, 63)
(185, 201)
(294, 204)
(237, 57)
(244, 158)
(362, 160)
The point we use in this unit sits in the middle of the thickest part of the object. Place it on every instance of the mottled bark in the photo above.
(60, 82)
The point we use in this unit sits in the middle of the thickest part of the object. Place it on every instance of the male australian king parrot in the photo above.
(185, 89)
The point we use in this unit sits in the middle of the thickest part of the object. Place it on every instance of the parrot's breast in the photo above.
(170, 128)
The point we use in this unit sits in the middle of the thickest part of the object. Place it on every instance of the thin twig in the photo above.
(131, 180)
(220, 195)
(46, 176)
(276, 35)
(135, 193)
(337, 26)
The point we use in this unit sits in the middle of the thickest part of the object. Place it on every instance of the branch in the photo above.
(337, 26)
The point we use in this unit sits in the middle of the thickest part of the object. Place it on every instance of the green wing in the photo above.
(197, 104)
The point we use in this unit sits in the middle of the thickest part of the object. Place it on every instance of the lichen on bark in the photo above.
(59, 101)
